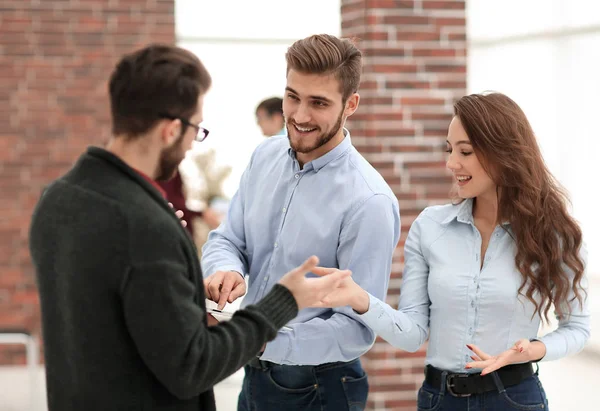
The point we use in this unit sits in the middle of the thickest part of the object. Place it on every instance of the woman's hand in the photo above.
(347, 293)
(523, 351)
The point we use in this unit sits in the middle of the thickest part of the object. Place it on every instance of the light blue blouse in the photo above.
(447, 296)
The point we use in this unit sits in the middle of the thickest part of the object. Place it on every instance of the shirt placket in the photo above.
(277, 249)
(473, 294)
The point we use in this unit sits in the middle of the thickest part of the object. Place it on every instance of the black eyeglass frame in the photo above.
(199, 129)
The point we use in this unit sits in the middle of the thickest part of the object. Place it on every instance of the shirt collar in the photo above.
(338, 151)
(153, 182)
(462, 212)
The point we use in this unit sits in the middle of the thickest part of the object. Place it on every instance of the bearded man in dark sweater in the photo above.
(122, 298)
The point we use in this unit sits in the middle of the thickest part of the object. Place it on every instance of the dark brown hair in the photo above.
(326, 54)
(548, 239)
(153, 81)
(272, 106)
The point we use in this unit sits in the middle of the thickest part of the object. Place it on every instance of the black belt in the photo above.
(256, 362)
(465, 385)
(259, 364)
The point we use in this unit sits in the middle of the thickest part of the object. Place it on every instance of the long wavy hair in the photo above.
(548, 238)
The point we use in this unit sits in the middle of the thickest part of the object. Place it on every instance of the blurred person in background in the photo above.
(309, 191)
(123, 307)
(482, 273)
(269, 117)
(197, 191)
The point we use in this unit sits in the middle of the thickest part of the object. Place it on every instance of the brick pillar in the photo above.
(414, 69)
(55, 60)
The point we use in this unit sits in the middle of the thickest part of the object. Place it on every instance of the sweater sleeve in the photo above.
(171, 334)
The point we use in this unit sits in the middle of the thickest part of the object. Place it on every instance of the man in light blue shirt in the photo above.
(309, 192)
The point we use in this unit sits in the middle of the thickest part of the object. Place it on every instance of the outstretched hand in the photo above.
(309, 292)
(347, 293)
(521, 352)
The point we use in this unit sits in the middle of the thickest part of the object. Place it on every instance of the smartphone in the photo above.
(226, 316)
(219, 315)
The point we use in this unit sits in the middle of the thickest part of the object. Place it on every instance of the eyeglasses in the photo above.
(201, 132)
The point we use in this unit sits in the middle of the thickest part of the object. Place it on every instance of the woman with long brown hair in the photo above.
(481, 273)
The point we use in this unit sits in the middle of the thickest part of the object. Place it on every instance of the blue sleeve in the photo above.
(574, 327)
(366, 245)
(406, 328)
(225, 248)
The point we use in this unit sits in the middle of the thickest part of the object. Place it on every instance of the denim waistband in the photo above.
(265, 365)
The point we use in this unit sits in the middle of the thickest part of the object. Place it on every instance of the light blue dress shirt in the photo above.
(448, 296)
(339, 208)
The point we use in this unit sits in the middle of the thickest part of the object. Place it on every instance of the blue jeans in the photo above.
(326, 387)
(527, 395)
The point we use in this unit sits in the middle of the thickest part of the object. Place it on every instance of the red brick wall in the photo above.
(55, 60)
(414, 68)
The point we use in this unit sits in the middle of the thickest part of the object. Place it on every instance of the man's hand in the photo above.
(347, 293)
(224, 286)
(179, 215)
(309, 292)
(522, 351)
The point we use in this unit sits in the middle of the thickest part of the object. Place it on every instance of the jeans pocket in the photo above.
(428, 399)
(357, 391)
(287, 388)
(527, 395)
(285, 382)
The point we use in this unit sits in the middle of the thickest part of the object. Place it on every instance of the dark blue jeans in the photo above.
(326, 387)
(527, 395)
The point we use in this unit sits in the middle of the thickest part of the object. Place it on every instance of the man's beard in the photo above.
(321, 140)
(170, 158)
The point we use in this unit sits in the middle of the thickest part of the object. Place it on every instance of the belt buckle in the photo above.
(450, 385)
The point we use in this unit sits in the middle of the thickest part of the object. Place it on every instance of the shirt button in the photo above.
(266, 279)
(275, 245)
(297, 176)
(283, 209)
(472, 303)
(470, 331)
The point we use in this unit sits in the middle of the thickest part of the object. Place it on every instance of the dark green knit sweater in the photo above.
(122, 298)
